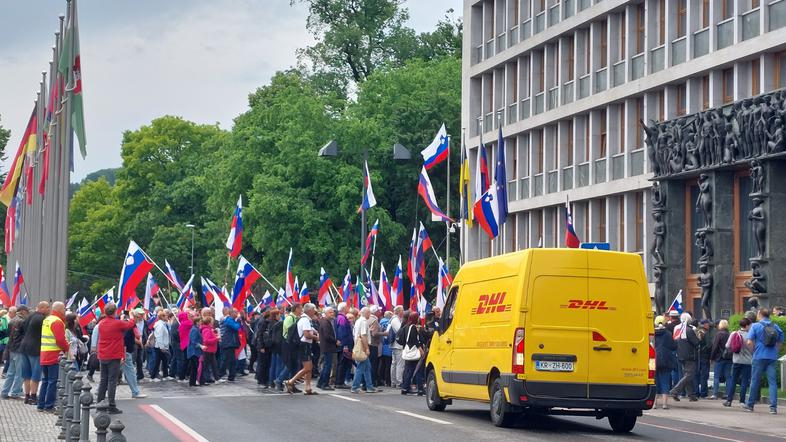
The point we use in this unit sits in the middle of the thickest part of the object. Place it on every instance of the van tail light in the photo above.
(651, 372)
(518, 351)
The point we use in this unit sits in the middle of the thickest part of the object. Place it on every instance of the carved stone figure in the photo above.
(729, 143)
(677, 161)
(758, 224)
(651, 140)
(658, 196)
(660, 293)
(705, 140)
(705, 247)
(659, 234)
(757, 177)
(775, 144)
(758, 282)
(705, 282)
(704, 202)
(692, 162)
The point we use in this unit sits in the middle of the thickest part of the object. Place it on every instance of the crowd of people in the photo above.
(686, 349)
(363, 350)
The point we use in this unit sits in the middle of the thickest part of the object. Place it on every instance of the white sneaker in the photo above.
(139, 396)
(155, 380)
(220, 381)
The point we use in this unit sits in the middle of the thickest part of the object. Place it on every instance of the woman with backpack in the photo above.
(722, 358)
(742, 358)
(411, 338)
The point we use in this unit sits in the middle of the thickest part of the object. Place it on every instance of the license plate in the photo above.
(553, 366)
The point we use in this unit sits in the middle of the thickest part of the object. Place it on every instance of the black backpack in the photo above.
(770, 335)
(293, 337)
(276, 334)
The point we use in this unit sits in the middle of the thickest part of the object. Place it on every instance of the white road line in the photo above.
(690, 432)
(344, 397)
(425, 418)
(188, 430)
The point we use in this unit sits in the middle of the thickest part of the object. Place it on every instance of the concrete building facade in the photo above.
(570, 83)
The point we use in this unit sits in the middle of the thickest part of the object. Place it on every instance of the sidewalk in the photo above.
(23, 423)
(713, 413)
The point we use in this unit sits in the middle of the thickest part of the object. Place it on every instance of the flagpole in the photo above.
(263, 277)
(373, 251)
(447, 211)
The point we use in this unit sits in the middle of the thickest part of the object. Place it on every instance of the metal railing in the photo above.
(584, 86)
(538, 103)
(537, 185)
(554, 15)
(553, 181)
(553, 97)
(618, 73)
(526, 29)
(540, 22)
(490, 48)
(568, 6)
(750, 24)
(524, 188)
(501, 42)
(512, 195)
(584, 176)
(478, 53)
(513, 113)
(524, 111)
(513, 36)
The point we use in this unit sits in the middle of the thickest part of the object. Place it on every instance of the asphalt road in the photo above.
(241, 413)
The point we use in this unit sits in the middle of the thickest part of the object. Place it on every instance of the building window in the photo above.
(602, 153)
(554, 151)
(569, 143)
(489, 93)
(622, 36)
(639, 221)
(661, 106)
(569, 47)
(539, 159)
(639, 119)
(780, 70)
(728, 85)
(586, 139)
(602, 220)
(681, 104)
(705, 13)
(541, 72)
(555, 64)
(525, 77)
(754, 4)
(727, 9)
(640, 28)
(604, 43)
(755, 77)
(621, 222)
(514, 157)
(621, 120)
(661, 22)
(705, 92)
(514, 84)
(586, 52)
(682, 17)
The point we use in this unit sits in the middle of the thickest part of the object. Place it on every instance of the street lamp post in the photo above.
(193, 229)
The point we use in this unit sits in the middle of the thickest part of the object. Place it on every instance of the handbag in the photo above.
(358, 354)
(410, 352)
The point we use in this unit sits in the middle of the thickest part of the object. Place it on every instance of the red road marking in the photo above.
(180, 433)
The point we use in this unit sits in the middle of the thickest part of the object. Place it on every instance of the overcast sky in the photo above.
(142, 59)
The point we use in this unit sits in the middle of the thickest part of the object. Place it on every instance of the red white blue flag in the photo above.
(85, 313)
(151, 290)
(267, 299)
(346, 288)
(186, 295)
(438, 151)
(172, 277)
(571, 239)
(19, 281)
(369, 200)
(486, 212)
(396, 288)
(372, 236)
(105, 299)
(676, 305)
(5, 295)
(427, 192)
(444, 280)
(235, 239)
(324, 287)
(482, 179)
(245, 277)
(207, 296)
(219, 294)
(305, 295)
(289, 284)
(384, 290)
(135, 267)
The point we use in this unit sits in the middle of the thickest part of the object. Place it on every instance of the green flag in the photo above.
(70, 67)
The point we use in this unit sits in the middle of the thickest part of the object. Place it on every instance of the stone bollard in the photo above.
(102, 421)
(86, 399)
(117, 428)
(61, 381)
(66, 415)
(72, 434)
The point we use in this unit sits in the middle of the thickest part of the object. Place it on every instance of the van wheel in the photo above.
(620, 423)
(433, 400)
(501, 416)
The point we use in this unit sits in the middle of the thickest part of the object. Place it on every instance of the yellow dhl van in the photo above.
(553, 331)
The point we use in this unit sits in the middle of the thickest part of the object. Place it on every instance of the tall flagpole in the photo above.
(447, 212)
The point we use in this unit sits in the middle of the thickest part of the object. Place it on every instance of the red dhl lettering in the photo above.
(491, 303)
(589, 304)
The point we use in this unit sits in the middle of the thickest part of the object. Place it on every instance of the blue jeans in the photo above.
(363, 372)
(129, 371)
(702, 377)
(741, 373)
(722, 370)
(283, 372)
(662, 381)
(327, 365)
(676, 373)
(151, 359)
(275, 366)
(13, 379)
(48, 392)
(763, 367)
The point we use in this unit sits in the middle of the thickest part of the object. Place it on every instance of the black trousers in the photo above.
(139, 359)
(686, 383)
(344, 367)
(162, 361)
(230, 362)
(383, 374)
(110, 370)
(374, 356)
(193, 369)
(210, 365)
(263, 368)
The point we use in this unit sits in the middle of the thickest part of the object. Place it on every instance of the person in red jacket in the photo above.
(111, 351)
(53, 342)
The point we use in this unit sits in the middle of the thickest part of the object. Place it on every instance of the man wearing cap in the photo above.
(672, 321)
(139, 351)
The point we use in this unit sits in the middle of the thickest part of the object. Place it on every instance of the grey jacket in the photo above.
(745, 356)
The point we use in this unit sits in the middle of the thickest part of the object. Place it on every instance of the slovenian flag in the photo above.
(186, 295)
(444, 281)
(71, 300)
(289, 284)
(19, 281)
(235, 239)
(305, 296)
(369, 200)
(438, 151)
(346, 288)
(5, 296)
(677, 304)
(396, 288)
(85, 313)
(482, 180)
(267, 299)
(324, 287)
(295, 292)
(207, 295)
(571, 239)
(427, 192)
(151, 290)
(372, 236)
(245, 277)
(486, 212)
(172, 277)
(105, 299)
(384, 289)
(135, 267)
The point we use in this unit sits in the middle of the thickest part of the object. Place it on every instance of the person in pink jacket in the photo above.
(210, 341)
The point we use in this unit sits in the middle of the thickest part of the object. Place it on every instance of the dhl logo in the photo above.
(493, 303)
(589, 304)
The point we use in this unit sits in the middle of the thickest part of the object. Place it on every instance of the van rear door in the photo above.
(556, 332)
(618, 307)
